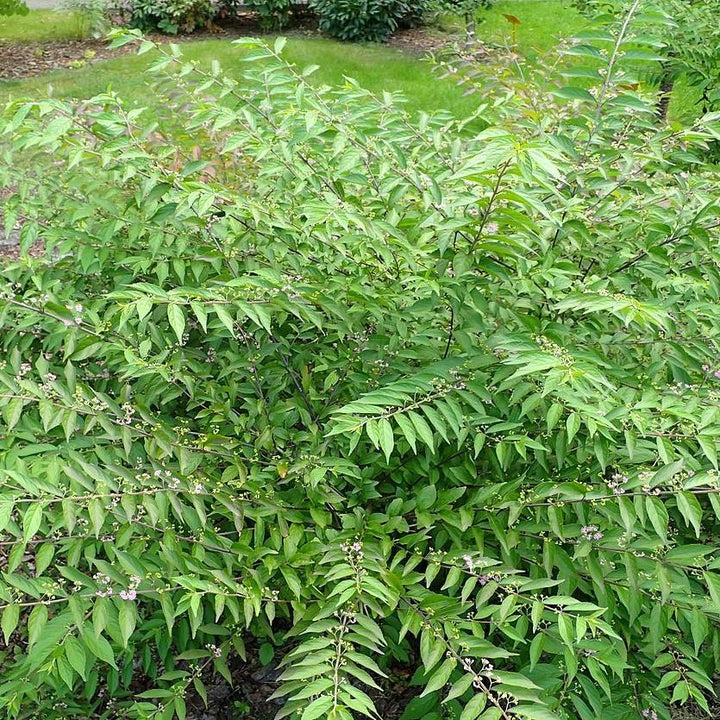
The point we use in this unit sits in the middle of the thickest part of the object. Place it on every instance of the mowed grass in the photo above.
(39, 26)
(542, 24)
(375, 67)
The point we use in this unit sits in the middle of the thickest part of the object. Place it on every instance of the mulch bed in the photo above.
(21, 60)
(420, 41)
(248, 698)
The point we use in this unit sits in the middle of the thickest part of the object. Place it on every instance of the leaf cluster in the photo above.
(367, 389)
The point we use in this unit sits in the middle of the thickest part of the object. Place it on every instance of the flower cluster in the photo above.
(548, 346)
(77, 310)
(591, 532)
(354, 550)
(616, 482)
(214, 649)
(486, 671)
(104, 582)
(715, 372)
(130, 593)
(489, 577)
(650, 714)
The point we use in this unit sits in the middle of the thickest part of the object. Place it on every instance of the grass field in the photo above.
(38, 26)
(376, 67)
(542, 23)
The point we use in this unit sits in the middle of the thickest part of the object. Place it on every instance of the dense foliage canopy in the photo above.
(372, 391)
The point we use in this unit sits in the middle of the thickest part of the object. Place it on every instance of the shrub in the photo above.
(371, 20)
(90, 16)
(168, 16)
(467, 9)
(364, 390)
(689, 34)
(274, 14)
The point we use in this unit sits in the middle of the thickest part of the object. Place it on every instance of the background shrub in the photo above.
(168, 16)
(467, 9)
(359, 20)
(689, 35)
(369, 391)
(90, 16)
(274, 14)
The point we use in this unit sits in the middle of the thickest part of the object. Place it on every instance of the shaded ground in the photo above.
(253, 684)
(694, 712)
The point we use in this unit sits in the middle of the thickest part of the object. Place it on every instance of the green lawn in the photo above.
(542, 23)
(376, 67)
(38, 26)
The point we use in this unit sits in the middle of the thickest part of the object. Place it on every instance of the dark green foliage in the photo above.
(13, 7)
(686, 33)
(365, 391)
(167, 16)
(692, 46)
(372, 20)
(274, 14)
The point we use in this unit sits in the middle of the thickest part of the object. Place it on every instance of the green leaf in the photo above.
(266, 653)
(407, 430)
(75, 654)
(573, 425)
(658, 516)
(690, 509)
(13, 412)
(385, 436)
(574, 93)
(126, 620)
(535, 712)
(143, 306)
(712, 580)
(317, 708)
(709, 447)
(99, 647)
(43, 558)
(9, 621)
(536, 648)
(36, 622)
(176, 317)
(474, 707)
(440, 676)
(423, 430)
(31, 521)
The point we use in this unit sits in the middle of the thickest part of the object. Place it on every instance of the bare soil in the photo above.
(249, 696)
